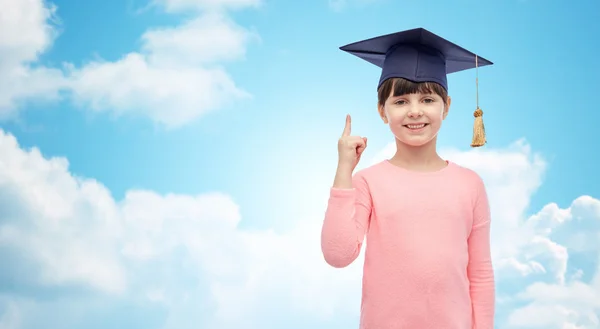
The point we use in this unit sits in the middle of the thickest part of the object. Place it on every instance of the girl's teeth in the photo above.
(416, 126)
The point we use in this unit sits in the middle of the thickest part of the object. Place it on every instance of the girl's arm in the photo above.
(346, 222)
(480, 271)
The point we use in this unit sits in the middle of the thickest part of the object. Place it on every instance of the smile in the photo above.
(416, 126)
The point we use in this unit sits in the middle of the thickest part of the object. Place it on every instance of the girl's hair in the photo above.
(402, 86)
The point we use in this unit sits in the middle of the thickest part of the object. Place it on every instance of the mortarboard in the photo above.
(420, 56)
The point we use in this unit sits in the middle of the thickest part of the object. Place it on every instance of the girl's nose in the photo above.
(414, 112)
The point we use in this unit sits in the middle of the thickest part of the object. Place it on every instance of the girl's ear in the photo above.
(447, 107)
(381, 109)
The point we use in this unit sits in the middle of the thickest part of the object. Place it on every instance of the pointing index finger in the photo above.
(347, 128)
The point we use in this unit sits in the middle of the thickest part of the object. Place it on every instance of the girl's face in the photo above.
(415, 119)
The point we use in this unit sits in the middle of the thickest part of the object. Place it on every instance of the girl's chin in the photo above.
(415, 141)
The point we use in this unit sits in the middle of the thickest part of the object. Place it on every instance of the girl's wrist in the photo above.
(343, 177)
(345, 168)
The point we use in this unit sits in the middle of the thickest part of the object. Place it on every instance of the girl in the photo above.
(426, 219)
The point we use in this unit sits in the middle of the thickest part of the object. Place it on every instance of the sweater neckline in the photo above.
(448, 166)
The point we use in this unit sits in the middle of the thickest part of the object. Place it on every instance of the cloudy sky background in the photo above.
(165, 164)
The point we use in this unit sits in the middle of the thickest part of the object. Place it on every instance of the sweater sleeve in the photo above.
(480, 271)
(346, 222)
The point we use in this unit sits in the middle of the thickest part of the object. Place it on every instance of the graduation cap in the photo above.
(420, 56)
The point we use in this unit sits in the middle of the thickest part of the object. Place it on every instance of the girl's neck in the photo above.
(418, 158)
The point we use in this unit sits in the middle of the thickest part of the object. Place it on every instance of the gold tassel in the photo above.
(478, 129)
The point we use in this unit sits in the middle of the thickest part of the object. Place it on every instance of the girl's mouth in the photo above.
(416, 126)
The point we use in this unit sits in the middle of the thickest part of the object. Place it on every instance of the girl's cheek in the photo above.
(394, 114)
(394, 118)
(390, 115)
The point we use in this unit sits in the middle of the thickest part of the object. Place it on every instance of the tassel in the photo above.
(478, 129)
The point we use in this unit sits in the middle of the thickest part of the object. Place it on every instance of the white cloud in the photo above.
(153, 249)
(576, 302)
(27, 29)
(176, 77)
(65, 226)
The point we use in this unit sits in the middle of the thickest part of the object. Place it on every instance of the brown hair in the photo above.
(402, 86)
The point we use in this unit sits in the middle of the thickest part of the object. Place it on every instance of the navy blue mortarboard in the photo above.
(416, 55)
(421, 56)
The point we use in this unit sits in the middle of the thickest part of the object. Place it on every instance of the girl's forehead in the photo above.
(415, 94)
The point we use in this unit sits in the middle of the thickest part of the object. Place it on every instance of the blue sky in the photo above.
(183, 151)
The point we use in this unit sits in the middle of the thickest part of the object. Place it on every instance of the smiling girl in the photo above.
(426, 219)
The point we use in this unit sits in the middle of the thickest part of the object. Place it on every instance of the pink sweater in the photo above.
(427, 262)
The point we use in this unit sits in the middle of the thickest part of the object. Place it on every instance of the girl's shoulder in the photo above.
(464, 172)
(467, 178)
(373, 170)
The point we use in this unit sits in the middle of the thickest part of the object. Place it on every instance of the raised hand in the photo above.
(350, 148)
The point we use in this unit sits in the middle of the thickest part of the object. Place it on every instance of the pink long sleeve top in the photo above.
(427, 262)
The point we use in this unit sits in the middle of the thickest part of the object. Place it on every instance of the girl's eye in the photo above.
(429, 100)
(400, 102)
